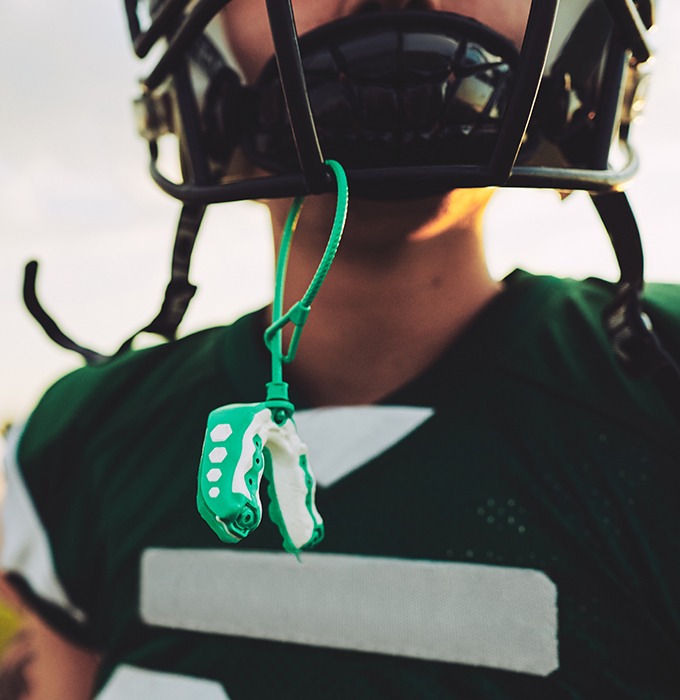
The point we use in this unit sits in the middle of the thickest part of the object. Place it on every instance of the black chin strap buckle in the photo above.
(628, 327)
(631, 335)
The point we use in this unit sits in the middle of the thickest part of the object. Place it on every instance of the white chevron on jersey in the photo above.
(373, 430)
(131, 683)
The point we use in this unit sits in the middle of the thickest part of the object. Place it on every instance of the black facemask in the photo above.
(390, 88)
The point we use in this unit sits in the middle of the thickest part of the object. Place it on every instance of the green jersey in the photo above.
(505, 526)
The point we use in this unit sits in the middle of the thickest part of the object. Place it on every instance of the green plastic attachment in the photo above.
(299, 312)
(232, 465)
(278, 403)
(243, 442)
(297, 315)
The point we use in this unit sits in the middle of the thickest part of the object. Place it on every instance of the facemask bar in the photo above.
(282, 24)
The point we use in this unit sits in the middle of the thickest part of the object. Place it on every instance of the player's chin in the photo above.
(374, 223)
(398, 209)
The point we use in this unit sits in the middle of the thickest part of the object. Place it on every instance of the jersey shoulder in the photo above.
(128, 389)
(93, 431)
(555, 336)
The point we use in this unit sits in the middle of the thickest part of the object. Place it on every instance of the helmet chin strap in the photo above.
(178, 294)
(627, 325)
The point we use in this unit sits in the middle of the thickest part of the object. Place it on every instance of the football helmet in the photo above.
(411, 101)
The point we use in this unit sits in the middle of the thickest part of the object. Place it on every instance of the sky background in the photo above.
(75, 194)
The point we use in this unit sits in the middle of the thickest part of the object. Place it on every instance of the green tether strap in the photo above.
(277, 389)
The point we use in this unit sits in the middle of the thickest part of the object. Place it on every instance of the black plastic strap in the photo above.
(619, 220)
(48, 324)
(179, 292)
(628, 327)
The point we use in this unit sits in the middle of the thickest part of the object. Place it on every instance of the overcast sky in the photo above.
(74, 192)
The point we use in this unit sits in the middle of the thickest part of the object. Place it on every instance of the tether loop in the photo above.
(299, 312)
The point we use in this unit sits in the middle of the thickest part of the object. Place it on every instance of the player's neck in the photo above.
(385, 313)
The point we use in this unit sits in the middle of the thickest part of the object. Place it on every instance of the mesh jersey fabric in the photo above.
(540, 454)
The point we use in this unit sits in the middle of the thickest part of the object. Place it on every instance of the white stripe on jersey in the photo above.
(25, 546)
(373, 430)
(474, 614)
(131, 683)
